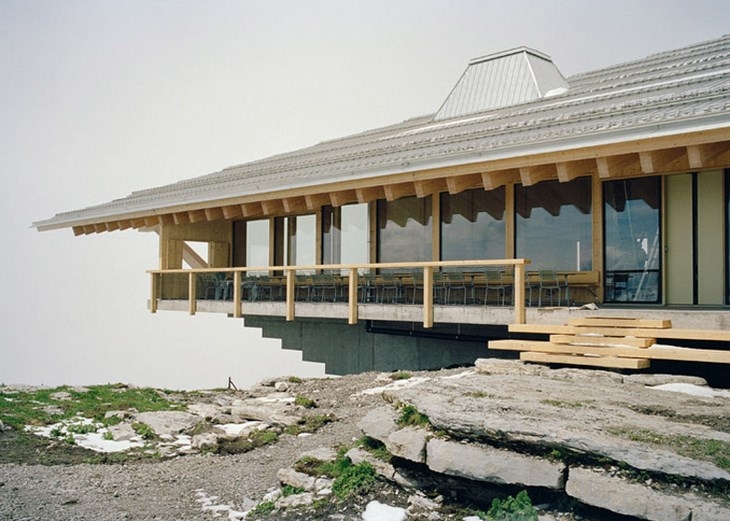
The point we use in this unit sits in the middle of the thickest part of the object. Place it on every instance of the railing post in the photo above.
(352, 297)
(519, 293)
(192, 297)
(290, 279)
(153, 292)
(237, 294)
(427, 296)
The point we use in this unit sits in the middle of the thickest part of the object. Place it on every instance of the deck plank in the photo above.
(593, 361)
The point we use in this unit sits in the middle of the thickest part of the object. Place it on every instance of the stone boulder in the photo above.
(167, 422)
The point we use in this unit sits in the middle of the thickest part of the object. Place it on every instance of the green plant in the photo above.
(410, 417)
(262, 509)
(303, 401)
(144, 430)
(309, 424)
(82, 428)
(288, 490)
(563, 404)
(108, 436)
(374, 447)
(295, 380)
(400, 375)
(354, 480)
(518, 508)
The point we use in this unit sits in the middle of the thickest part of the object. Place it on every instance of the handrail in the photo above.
(352, 275)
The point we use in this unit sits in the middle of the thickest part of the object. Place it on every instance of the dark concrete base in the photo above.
(375, 346)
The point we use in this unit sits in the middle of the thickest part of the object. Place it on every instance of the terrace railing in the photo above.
(431, 278)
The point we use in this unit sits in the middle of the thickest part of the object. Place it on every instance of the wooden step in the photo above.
(621, 322)
(679, 354)
(718, 335)
(592, 361)
(602, 341)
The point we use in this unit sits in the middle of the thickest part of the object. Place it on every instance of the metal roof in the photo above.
(679, 91)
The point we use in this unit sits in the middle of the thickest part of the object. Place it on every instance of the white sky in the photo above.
(102, 97)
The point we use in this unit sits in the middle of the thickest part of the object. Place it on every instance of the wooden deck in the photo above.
(615, 342)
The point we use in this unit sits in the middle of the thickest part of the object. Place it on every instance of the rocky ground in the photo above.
(556, 417)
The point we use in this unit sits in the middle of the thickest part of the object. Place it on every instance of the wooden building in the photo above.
(524, 197)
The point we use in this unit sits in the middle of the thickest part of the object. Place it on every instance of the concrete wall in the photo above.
(347, 349)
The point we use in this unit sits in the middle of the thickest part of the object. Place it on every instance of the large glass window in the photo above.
(553, 225)
(257, 243)
(632, 240)
(345, 234)
(301, 244)
(472, 225)
(404, 230)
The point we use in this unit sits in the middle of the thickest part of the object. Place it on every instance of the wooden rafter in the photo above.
(569, 170)
(624, 165)
(373, 193)
(492, 180)
(458, 184)
(665, 160)
(197, 216)
(138, 223)
(294, 204)
(429, 187)
(272, 207)
(123, 225)
(343, 197)
(167, 219)
(213, 214)
(398, 190)
(317, 201)
(232, 212)
(534, 174)
(709, 155)
(181, 218)
(152, 221)
(252, 209)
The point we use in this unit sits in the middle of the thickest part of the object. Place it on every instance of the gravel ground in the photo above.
(169, 490)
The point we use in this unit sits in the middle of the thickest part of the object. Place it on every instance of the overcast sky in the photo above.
(100, 98)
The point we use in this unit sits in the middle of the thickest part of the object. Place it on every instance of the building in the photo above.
(402, 246)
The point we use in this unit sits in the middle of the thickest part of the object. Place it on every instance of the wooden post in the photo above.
(153, 292)
(519, 290)
(427, 296)
(352, 297)
(290, 279)
(237, 294)
(192, 297)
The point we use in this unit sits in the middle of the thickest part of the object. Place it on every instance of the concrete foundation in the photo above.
(369, 346)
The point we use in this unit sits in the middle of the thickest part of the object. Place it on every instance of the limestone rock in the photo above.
(296, 479)
(381, 467)
(168, 422)
(282, 387)
(408, 443)
(379, 423)
(122, 432)
(484, 463)
(599, 489)
(207, 440)
(323, 454)
(295, 500)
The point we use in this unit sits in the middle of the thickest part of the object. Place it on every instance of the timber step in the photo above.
(625, 343)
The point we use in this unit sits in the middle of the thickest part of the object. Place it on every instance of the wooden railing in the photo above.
(353, 273)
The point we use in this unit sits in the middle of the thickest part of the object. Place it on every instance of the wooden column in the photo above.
(153, 293)
(427, 297)
(290, 280)
(192, 297)
(237, 294)
(519, 289)
(352, 297)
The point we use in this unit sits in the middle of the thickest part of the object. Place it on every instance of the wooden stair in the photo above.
(612, 342)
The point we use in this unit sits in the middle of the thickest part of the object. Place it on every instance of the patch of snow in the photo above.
(460, 375)
(694, 390)
(376, 511)
(398, 384)
(93, 441)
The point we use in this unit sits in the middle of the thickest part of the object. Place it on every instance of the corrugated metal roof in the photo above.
(673, 92)
(501, 80)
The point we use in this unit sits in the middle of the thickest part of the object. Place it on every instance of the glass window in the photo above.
(472, 225)
(301, 232)
(553, 225)
(632, 240)
(345, 234)
(404, 230)
(257, 243)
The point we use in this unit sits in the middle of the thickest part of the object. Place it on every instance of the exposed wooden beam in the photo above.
(123, 225)
(181, 217)
(619, 166)
(534, 174)
(343, 197)
(78, 230)
(151, 222)
(99, 228)
(665, 160)
(191, 257)
(197, 216)
(373, 193)
(167, 219)
(317, 201)
(294, 204)
(492, 180)
(88, 229)
(232, 212)
(213, 214)
(429, 187)
(272, 207)
(398, 190)
(111, 226)
(569, 170)
(709, 155)
(457, 184)
(138, 223)
(252, 209)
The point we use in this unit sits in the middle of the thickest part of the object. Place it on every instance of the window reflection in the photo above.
(257, 243)
(553, 225)
(301, 244)
(632, 240)
(404, 230)
(472, 225)
(345, 234)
